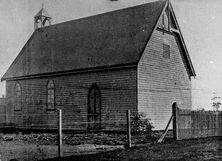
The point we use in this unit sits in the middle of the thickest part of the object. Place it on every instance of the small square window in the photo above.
(166, 51)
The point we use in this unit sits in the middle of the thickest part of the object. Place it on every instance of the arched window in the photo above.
(18, 97)
(94, 107)
(50, 95)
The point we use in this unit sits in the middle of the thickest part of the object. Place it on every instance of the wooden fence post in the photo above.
(220, 123)
(175, 122)
(128, 129)
(60, 133)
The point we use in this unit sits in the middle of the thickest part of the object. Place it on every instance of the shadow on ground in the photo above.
(188, 150)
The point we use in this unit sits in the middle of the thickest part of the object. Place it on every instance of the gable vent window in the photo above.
(166, 51)
(50, 95)
(163, 20)
(18, 99)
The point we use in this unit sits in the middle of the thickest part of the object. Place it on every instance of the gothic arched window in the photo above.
(94, 107)
(50, 95)
(18, 97)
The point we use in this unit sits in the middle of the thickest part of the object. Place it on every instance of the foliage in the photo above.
(216, 104)
(140, 124)
(200, 109)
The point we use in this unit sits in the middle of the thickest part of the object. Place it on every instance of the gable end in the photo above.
(167, 22)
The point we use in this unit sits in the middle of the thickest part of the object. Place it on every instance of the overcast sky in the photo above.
(200, 22)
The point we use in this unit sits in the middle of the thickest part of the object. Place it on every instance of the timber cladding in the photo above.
(162, 81)
(198, 124)
(99, 67)
(2, 110)
(118, 93)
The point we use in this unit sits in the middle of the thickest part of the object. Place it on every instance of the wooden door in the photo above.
(94, 108)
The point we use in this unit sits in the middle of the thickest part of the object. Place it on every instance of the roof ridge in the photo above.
(95, 41)
(106, 13)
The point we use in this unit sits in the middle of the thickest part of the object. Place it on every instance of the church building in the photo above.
(95, 68)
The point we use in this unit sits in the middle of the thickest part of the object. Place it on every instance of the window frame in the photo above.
(48, 90)
(168, 54)
(92, 111)
(18, 98)
(94, 87)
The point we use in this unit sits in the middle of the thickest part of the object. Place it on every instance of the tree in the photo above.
(216, 104)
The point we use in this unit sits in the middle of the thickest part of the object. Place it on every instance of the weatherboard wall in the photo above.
(2, 110)
(162, 81)
(118, 93)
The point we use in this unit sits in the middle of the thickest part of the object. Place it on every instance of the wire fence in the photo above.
(69, 121)
(60, 121)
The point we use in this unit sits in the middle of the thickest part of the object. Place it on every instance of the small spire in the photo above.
(41, 18)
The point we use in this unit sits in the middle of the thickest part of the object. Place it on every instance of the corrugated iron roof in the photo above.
(109, 39)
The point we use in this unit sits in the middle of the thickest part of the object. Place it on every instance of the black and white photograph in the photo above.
(110, 80)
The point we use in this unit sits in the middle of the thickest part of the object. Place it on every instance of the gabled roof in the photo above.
(187, 57)
(43, 13)
(109, 39)
(115, 38)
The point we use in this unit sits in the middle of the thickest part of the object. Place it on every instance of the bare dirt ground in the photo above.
(192, 150)
(107, 148)
(32, 147)
(31, 152)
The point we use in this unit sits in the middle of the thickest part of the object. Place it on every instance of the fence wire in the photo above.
(69, 121)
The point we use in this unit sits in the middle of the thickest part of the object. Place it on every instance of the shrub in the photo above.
(141, 125)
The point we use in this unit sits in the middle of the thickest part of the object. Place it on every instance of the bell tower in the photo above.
(42, 19)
